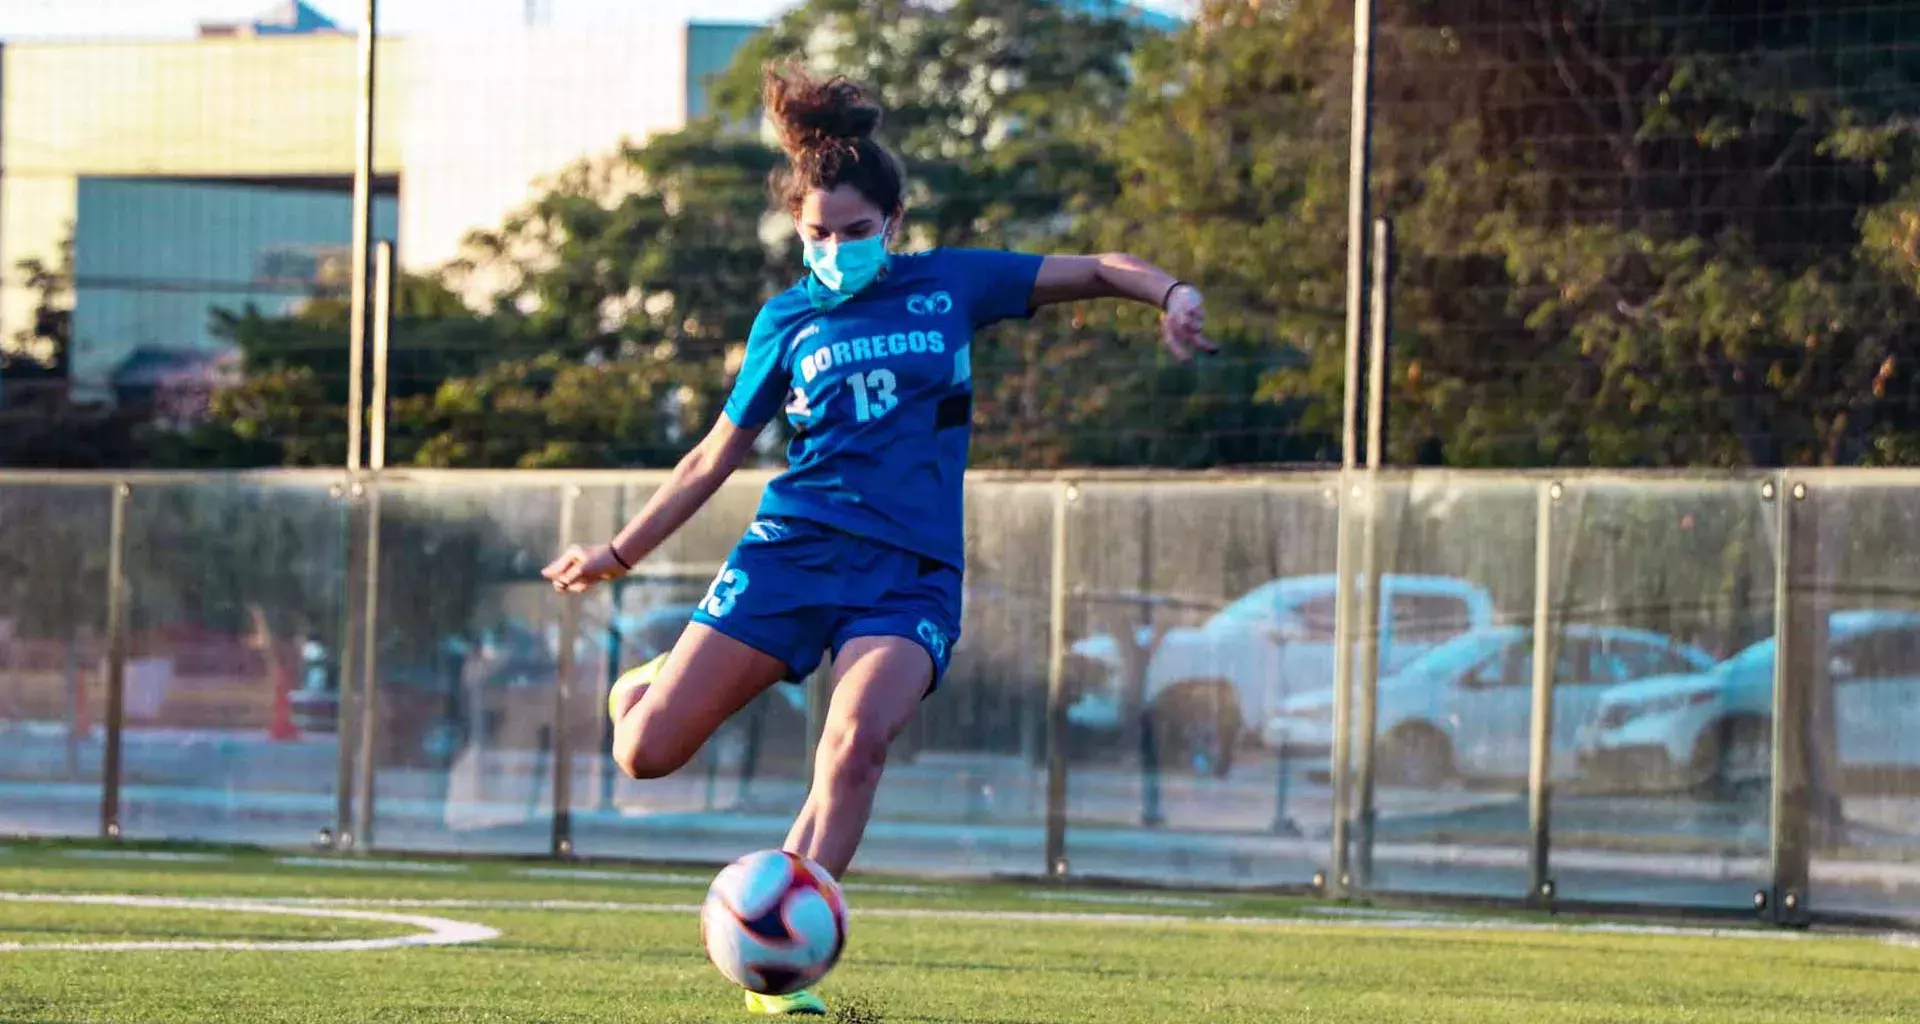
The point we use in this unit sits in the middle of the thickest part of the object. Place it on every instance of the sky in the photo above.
(150, 19)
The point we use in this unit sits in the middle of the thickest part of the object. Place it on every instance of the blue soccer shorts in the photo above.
(793, 589)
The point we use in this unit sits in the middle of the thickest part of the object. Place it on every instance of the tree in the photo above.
(653, 244)
(995, 105)
(39, 425)
(549, 412)
(41, 353)
(1634, 239)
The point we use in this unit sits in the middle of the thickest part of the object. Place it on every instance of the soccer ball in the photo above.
(774, 922)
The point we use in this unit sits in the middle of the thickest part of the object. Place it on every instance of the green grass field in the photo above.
(621, 944)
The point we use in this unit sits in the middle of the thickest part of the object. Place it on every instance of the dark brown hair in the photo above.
(826, 127)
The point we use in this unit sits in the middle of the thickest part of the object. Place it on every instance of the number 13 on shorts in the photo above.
(725, 590)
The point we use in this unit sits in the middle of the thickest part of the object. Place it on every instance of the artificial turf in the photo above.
(620, 944)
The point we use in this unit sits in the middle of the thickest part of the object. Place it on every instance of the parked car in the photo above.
(1464, 707)
(1208, 685)
(1716, 727)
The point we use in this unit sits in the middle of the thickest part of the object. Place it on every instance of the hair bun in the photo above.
(813, 115)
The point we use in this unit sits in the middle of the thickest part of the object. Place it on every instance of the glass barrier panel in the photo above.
(1195, 630)
(1456, 557)
(1663, 691)
(54, 545)
(1864, 731)
(467, 664)
(235, 601)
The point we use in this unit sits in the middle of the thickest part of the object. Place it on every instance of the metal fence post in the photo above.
(347, 662)
(1340, 878)
(1064, 497)
(383, 285)
(1135, 698)
(562, 840)
(1379, 334)
(1799, 673)
(362, 233)
(1359, 175)
(1540, 885)
(110, 769)
(1369, 680)
(368, 725)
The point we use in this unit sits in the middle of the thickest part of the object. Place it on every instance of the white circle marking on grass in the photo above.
(439, 931)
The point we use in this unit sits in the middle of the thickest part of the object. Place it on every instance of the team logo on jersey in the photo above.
(767, 529)
(936, 640)
(937, 304)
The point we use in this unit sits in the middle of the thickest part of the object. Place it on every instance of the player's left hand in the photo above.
(579, 568)
(1183, 329)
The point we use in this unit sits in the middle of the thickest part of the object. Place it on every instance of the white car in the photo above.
(1464, 707)
(1205, 685)
(1716, 727)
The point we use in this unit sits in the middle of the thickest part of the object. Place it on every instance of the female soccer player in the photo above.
(857, 547)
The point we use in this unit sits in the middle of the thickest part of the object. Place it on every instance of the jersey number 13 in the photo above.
(873, 395)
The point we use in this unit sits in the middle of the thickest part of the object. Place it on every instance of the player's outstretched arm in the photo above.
(1116, 275)
(698, 474)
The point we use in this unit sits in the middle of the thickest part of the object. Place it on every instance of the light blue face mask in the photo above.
(846, 267)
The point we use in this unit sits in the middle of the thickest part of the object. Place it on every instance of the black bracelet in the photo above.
(1164, 299)
(614, 550)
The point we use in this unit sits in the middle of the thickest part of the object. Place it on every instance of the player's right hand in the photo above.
(578, 568)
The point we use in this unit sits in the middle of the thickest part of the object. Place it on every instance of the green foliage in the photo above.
(1646, 241)
(546, 412)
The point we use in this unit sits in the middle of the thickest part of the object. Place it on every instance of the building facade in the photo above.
(216, 173)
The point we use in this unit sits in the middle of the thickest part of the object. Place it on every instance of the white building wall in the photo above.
(489, 113)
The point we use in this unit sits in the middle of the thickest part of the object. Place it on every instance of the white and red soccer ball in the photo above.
(774, 922)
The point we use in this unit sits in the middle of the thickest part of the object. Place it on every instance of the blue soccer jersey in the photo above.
(879, 391)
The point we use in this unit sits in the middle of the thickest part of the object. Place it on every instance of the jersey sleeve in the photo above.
(993, 283)
(761, 386)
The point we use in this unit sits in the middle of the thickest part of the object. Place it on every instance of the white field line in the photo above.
(158, 855)
(1121, 899)
(1094, 917)
(354, 864)
(669, 878)
(439, 931)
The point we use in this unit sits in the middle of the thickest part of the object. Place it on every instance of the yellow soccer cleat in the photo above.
(629, 681)
(801, 1002)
